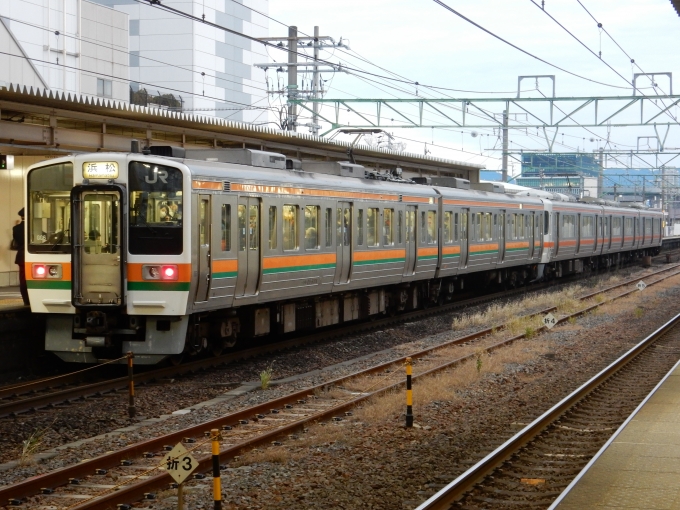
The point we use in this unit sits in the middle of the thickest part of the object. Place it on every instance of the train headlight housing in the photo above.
(42, 271)
(165, 272)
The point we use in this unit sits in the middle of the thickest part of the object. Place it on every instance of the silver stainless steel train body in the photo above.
(168, 256)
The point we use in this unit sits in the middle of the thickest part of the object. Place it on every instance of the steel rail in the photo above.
(466, 481)
(132, 492)
(32, 403)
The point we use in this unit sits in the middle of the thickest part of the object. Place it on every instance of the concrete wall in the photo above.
(66, 62)
(159, 38)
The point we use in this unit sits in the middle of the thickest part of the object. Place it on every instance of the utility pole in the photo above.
(291, 125)
(505, 144)
(316, 42)
(315, 85)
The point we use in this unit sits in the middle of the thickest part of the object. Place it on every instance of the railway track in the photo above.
(126, 475)
(51, 391)
(532, 468)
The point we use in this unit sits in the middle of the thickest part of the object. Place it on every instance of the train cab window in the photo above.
(388, 225)
(329, 226)
(448, 228)
(49, 208)
(372, 229)
(311, 227)
(290, 231)
(546, 223)
(273, 241)
(155, 209)
(226, 227)
(400, 226)
(360, 227)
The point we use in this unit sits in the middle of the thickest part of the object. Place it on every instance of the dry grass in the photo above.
(272, 455)
(511, 313)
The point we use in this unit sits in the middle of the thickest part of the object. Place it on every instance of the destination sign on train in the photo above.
(100, 170)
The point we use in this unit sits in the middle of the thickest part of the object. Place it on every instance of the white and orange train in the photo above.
(173, 252)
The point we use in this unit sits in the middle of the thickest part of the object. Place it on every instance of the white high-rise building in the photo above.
(207, 70)
(70, 46)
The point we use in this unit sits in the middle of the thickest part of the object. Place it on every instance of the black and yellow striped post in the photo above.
(409, 394)
(131, 386)
(217, 482)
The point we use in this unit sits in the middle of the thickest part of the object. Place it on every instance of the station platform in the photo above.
(639, 467)
(10, 299)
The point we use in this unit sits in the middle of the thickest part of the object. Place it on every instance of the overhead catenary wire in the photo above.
(492, 34)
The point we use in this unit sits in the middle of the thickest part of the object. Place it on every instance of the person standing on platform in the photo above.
(18, 243)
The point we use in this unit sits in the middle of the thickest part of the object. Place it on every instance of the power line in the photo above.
(591, 51)
(442, 4)
(88, 41)
(245, 106)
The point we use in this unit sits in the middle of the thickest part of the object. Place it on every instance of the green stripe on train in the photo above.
(292, 269)
(378, 261)
(161, 286)
(485, 252)
(228, 274)
(48, 284)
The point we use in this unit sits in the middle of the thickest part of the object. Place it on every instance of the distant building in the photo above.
(573, 174)
(70, 46)
(229, 83)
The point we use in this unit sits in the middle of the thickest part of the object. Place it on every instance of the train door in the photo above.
(343, 242)
(606, 235)
(501, 237)
(248, 245)
(538, 234)
(411, 240)
(97, 252)
(579, 232)
(598, 232)
(204, 272)
(464, 238)
(557, 230)
(531, 232)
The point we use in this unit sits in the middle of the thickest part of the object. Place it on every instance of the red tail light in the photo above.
(39, 271)
(169, 273)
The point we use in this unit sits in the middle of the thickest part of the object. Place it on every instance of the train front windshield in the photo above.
(156, 207)
(49, 209)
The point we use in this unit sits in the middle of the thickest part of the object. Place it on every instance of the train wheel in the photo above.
(176, 359)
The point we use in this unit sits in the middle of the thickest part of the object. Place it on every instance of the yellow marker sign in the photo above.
(179, 463)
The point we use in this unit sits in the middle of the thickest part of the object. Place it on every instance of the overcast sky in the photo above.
(423, 42)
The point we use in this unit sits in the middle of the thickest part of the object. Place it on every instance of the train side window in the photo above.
(311, 227)
(546, 222)
(242, 225)
(388, 226)
(455, 227)
(432, 227)
(360, 227)
(290, 219)
(329, 226)
(372, 230)
(448, 227)
(400, 223)
(512, 218)
(464, 226)
(273, 241)
(489, 231)
(226, 227)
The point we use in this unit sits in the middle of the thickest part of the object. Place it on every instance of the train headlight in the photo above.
(169, 273)
(39, 270)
